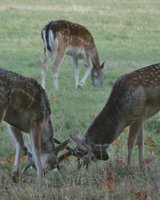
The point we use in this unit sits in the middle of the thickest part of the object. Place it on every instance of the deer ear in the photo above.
(75, 138)
(61, 146)
(103, 65)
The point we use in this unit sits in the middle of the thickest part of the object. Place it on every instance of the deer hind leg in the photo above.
(57, 62)
(89, 68)
(47, 58)
(35, 141)
(140, 142)
(18, 138)
(133, 135)
(76, 70)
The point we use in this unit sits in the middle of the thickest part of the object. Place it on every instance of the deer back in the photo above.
(134, 96)
(23, 99)
(71, 34)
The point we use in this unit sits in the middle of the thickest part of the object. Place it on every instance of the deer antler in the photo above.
(86, 152)
(90, 155)
(71, 152)
(29, 158)
(62, 145)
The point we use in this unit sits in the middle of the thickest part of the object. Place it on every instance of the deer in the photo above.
(25, 107)
(135, 97)
(68, 38)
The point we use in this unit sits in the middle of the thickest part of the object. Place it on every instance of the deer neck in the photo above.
(106, 127)
(47, 146)
(47, 142)
(95, 59)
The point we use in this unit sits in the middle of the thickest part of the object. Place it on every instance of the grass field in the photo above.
(127, 34)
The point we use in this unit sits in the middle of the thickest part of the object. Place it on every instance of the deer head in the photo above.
(49, 161)
(89, 151)
(97, 74)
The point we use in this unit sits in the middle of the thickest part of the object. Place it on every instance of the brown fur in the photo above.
(73, 39)
(25, 107)
(135, 97)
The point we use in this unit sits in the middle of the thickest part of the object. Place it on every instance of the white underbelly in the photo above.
(75, 52)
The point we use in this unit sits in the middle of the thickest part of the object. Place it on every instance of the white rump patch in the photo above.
(44, 38)
(53, 42)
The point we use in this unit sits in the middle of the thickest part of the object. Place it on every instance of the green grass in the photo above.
(126, 33)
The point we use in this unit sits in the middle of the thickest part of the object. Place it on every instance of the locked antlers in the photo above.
(82, 151)
(88, 152)
(58, 148)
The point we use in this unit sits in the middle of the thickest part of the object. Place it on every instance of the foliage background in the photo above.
(127, 34)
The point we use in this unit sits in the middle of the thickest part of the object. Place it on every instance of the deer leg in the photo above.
(57, 62)
(18, 138)
(3, 110)
(140, 142)
(89, 68)
(76, 70)
(133, 134)
(29, 154)
(35, 140)
(47, 58)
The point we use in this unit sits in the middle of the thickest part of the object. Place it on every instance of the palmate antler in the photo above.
(82, 151)
(30, 162)
(71, 152)
(85, 151)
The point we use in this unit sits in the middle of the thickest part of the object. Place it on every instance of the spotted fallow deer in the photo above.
(64, 37)
(135, 97)
(24, 105)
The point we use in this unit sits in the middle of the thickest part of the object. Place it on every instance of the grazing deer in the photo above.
(25, 107)
(135, 97)
(73, 39)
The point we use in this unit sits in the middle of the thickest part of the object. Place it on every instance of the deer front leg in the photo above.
(133, 134)
(18, 138)
(35, 141)
(47, 58)
(76, 70)
(58, 61)
(89, 68)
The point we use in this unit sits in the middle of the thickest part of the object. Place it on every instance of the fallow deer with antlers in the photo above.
(24, 105)
(64, 37)
(135, 97)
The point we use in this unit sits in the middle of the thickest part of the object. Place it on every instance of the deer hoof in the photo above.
(79, 87)
(14, 175)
